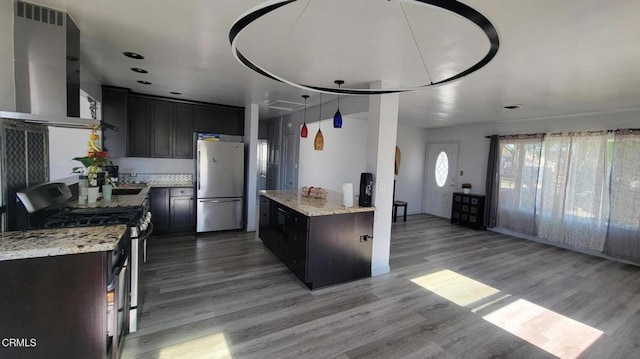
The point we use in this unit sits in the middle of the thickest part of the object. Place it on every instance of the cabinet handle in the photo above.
(198, 170)
(220, 201)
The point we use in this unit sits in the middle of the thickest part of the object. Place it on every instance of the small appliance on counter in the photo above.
(366, 189)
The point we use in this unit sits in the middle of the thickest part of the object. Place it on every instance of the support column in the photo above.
(251, 157)
(381, 143)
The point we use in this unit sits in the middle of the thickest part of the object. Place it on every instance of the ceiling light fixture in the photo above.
(318, 142)
(304, 132)
(455, 7)
(139, 70)
(133, 55)
(144, 82)
(513, 107)
(175, 93)
(337, 118)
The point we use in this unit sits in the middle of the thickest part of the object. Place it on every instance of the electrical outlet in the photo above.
(382, 186)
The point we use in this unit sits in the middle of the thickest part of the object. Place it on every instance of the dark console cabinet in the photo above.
(468, 210)
(320, 250)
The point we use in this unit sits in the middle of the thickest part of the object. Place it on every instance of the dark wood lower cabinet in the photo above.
(55, 307)
(172, 209)
(320, 250)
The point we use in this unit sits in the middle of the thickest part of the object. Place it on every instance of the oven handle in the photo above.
(147, 233)
(115, 273)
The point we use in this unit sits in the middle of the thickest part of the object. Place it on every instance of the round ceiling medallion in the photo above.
(455, 7)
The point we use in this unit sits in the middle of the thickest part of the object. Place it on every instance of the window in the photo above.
(442, 169)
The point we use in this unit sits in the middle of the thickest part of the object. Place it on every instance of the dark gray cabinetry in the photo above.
(172, 209)
(114, 111)
(151, 126)
(468, 210)
(182, 209)
(159, 203)
(320, 250)
(140, 110)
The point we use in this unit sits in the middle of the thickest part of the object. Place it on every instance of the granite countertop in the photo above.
(172, 184)
(59, 241)
(314, 206)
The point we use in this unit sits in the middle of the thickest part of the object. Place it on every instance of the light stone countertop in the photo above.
(314, 206)
(172, 184)
(59, 241)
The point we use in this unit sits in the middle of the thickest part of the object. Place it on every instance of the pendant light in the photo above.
(303, 130)
(318, 142)
(337, 118)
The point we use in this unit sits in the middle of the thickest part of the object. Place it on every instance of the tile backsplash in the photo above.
(156, 178)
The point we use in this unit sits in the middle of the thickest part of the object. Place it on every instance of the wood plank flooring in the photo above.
(226, 296)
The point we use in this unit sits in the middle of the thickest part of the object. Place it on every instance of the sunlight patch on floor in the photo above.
(455, 287)
(548, 330)
(209, 347)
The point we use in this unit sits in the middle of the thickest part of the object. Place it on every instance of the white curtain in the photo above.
(517, 185)
(573, 196)
(623, 238)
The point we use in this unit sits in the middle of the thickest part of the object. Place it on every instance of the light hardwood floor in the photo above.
(452, 293)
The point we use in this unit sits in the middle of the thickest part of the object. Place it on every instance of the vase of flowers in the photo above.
(92, 165)
(466, 188)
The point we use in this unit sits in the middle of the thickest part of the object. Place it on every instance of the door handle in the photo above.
(219, 200)
(198, 169)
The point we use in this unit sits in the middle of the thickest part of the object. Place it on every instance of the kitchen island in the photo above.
(321, 241)
(54, 291)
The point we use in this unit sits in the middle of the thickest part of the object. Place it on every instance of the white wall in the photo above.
(341, 161)
(474, 147)
(410, 179)
(7, 85)
(154, 165)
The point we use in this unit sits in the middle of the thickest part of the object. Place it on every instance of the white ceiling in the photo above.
(556, 57)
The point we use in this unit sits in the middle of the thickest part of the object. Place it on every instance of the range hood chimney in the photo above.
(47, 68)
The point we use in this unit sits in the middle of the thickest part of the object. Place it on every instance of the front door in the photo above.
(441, 171)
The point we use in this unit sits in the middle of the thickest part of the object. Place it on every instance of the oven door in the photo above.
(138, 253)
(117, 306)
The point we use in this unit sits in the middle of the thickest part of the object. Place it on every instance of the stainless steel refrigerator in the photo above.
(220, 185)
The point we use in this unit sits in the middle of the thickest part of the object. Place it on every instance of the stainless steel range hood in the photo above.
(47, 68)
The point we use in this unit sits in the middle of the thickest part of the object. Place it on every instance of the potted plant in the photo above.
(466, 187)
(92, 165)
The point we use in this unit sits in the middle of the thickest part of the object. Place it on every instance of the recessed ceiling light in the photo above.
(175, 93)
(133, 55)
(144, 82)
(513, 107)
(139, 70)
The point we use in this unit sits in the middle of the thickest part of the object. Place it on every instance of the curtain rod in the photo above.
(556, 133)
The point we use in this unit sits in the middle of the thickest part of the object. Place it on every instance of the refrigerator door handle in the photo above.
(220, 200)
(198, 169)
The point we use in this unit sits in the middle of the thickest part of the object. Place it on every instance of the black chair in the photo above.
(397, 204)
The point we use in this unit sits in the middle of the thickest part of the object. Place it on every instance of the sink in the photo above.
(124, 191)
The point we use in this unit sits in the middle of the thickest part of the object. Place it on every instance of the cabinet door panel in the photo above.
(205, 119)
(183, 131)
(182, 214)
(231, 121)
(139, 113)
(159, 203)
(114, 112)
(160, 125)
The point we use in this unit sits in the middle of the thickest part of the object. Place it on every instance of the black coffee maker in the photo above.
(366, 189)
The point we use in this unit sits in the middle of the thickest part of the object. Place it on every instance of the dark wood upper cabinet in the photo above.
(139, 117)
(151, 126)
(206, 119)
(114, 111)
(231, 121)
(183, 130)
(161, 123)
